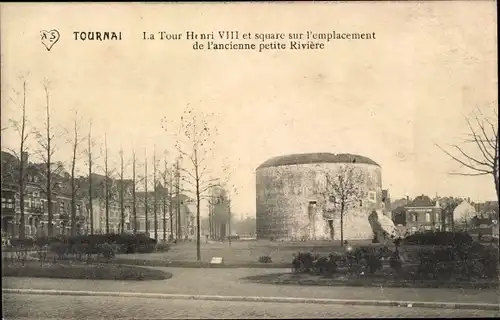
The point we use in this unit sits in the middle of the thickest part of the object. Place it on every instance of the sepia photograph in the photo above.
(249, 160)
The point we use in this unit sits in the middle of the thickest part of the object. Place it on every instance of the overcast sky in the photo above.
(391, 99)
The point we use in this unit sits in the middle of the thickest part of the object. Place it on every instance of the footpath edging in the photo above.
(386, 303)
(200, 264)
(378, 283)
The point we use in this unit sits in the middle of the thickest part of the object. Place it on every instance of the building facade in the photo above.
(219, 214)
(88, 218)
(425, 214)
(291, 202)
(36, 209)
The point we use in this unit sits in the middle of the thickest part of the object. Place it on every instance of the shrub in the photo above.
(325, 265)
(373, 262)
(107, 250)
(42, 241)
(489, 261)
(365, 258)
(60, 249)
(396, 263)
(465, 261)
(443, 238)
(303, 262)
(24, 243)
(162, 247)
(145, 248)
(265, 259)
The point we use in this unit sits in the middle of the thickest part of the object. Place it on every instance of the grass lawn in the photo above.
(242, 251)
(66, 270)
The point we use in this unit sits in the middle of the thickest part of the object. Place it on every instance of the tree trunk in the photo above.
(342, 227)
(497, 187)
(178, 200)
(229, 222)
(91, 208)
(49, 171)
(106, 184)
(198, 201)
(22, 222)
(134, 203)
(165, 215)
(170, 208)
(122, 200)
(146, 204)
(155, 196)
(73, 185)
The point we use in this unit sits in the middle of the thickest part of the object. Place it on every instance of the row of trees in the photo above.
(189, 174)
(52, 172)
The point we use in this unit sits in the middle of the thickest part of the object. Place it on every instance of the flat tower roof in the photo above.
(321, 157)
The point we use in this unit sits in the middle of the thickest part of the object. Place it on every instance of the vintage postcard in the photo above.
(249, 160)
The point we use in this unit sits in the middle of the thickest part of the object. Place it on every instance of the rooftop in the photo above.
(309, 158)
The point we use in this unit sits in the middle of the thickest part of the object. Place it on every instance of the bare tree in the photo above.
(448, 206)
(122, 193)
(155, 194)
(107, 183)
(195, 146)
(46, 142)
(90, 164)
(483, 135)
(170, 203)
(146, 198)
(166, 176)
(19, 170)
(178, 201)
(344, 191)
(134, 188)
(75, 143)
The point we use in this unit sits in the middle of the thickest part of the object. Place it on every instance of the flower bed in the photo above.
(431, 256)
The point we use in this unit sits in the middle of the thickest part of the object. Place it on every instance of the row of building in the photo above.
(424, 213)
(181, 226)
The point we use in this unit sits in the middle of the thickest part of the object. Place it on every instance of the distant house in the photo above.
(403, 202)
(423, 214)
(386, 199)
(463, 214)
(36, 204)
(487, 209)
(399, 216)
(486, 221)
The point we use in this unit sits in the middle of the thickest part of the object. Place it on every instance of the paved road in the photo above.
(17, 306)
(227, 282)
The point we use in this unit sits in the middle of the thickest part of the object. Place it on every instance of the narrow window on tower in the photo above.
(372, 196)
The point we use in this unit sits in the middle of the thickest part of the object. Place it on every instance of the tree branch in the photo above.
(469, 157)
(479, 142)
(462, 162)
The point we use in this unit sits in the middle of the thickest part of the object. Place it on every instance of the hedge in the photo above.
(464, 261)
(439, 238)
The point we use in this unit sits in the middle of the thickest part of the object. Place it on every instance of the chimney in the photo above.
(468, 199)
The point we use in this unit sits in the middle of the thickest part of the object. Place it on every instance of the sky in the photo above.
(391, 99)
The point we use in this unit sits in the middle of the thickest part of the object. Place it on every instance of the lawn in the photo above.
(76, 270)
(242, 251)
